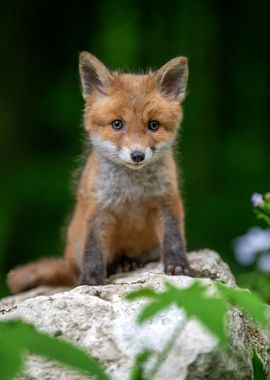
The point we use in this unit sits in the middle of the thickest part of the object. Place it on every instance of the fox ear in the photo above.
(172, 78)
(94, 74)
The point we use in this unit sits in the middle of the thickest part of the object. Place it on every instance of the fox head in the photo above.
(132, 119)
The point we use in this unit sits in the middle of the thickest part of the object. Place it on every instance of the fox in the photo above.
(128, 209)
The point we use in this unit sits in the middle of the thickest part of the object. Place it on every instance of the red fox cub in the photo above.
(128, 209)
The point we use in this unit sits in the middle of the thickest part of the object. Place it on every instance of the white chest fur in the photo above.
(116, 183)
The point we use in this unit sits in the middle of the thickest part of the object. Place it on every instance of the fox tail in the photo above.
(52, 272)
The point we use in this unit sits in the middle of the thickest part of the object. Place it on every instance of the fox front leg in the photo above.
(174, 257)
(93, 266)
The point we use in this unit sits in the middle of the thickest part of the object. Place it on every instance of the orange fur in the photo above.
(131, 228)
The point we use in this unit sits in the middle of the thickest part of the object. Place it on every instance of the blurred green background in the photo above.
(224, 145)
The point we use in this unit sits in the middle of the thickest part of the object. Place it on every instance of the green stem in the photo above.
(162, 356)
(263, 214)
(263, 211)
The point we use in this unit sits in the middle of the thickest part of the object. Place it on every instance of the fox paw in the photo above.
(94, 278)
(126, 265)
(178, 267)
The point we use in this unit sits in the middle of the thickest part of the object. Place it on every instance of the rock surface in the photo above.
(100, 320)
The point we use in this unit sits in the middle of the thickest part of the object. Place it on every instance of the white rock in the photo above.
(100, 320)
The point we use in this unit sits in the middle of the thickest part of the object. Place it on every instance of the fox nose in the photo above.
(137, 155)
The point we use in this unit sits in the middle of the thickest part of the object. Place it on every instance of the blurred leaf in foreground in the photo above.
(11, 358)
(18, 338)
(138, 370)
(210, 311)
(258, 371)
(248, 301)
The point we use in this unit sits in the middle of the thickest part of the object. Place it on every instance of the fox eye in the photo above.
(117, 124)
(153, 125)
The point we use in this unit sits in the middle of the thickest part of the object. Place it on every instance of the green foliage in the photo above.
(258, 370)
(244, 299)
(194, 300)
(210, 310)
(163, 354)
(261, 214)
(139, 372)
(262, 206)
(138, 369)
(257, 282)
(18, 338)
(11, 357)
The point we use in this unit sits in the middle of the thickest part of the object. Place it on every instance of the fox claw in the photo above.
(127, 265)
(179, 269)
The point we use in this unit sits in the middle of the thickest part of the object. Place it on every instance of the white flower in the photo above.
(247, 246)
(257, 199)
(264, 262)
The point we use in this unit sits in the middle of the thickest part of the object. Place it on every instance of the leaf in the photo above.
(150, 310)
(248, 301)
(154, 308)
(257, 282)
(11, 359)
(161, 301)
(141, 293)
(35, 342)
(210, 311)
(137, 371)
(262, 214)
(257, 365)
